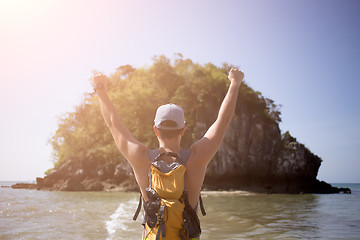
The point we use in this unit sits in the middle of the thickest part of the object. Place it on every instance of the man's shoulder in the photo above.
(140, 157)
(199, 155)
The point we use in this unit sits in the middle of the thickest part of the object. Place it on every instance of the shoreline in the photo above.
(107, 187)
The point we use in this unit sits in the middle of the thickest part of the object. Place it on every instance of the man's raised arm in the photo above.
(132, 149)
(204, 149)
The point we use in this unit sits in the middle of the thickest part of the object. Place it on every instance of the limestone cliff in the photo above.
(255, 156)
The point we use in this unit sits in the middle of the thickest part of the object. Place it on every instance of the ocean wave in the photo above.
(121, 223)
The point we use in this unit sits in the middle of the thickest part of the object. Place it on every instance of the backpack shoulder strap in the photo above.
(138, 208)
(202, 206)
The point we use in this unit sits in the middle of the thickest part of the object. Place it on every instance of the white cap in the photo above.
(170, 112)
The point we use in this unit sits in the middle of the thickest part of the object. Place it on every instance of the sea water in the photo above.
(33, 214)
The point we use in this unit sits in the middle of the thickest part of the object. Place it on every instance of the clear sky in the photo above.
(303, 54)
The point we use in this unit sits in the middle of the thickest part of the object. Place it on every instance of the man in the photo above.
(169, 128)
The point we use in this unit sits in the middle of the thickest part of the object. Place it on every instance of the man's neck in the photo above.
(169, 146)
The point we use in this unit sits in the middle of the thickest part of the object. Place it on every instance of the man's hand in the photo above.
(236, 76)
(98, 81)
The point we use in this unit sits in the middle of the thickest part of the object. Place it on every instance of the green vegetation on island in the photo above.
(136, 93)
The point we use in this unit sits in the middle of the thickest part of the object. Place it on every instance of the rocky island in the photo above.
(254, 156)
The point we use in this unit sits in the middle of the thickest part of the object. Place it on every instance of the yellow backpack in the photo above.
(168, 214)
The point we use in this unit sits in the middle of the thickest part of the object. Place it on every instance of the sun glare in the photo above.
(19, 12)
